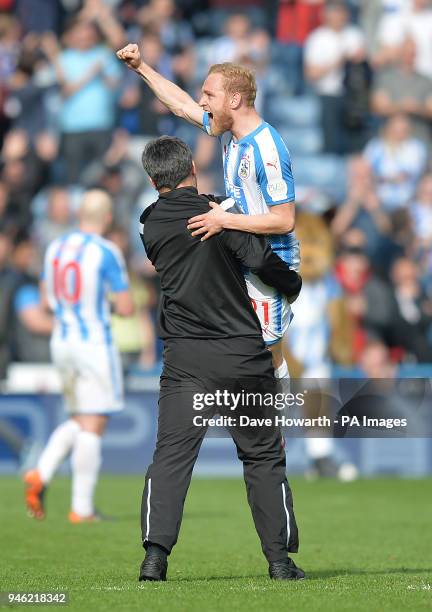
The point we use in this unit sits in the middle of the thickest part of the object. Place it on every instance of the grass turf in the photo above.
(365, 546)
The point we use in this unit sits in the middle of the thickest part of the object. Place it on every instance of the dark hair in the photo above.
(168, 161)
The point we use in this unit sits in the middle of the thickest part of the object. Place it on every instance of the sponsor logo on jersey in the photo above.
(232, 190)
(244, 168)
(277, 189)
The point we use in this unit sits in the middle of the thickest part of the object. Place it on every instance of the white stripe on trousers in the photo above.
(148, 510)
(287, 513)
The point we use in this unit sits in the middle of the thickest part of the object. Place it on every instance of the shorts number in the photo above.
(264, 306)
(64, 290)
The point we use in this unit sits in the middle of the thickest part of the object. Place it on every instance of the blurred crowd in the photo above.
(347, 83)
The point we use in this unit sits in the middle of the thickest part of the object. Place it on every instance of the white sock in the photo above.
(86, 462)
(318, 448)
(282, 370)
(58, 446)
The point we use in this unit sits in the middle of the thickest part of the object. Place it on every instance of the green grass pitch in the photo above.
(365, 546)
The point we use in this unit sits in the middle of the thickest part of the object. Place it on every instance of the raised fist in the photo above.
(130, 55)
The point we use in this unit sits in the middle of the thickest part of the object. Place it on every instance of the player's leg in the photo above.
(60, 442)
(279, 363)
(280, 318)
(37, 480)
(58, 447)
(86, 462)
(274, 314)
(99, 393)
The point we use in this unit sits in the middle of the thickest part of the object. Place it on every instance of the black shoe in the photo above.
(154, 567)
(285, 569)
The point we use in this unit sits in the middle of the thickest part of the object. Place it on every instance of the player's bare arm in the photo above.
(123, 304)
(173, 97)
(279, 220)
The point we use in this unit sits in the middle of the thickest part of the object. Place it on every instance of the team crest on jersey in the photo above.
(244, 168)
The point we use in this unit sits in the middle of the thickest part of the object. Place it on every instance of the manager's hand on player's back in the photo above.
(130, 55)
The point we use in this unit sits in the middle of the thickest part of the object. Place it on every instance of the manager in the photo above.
(212, 340)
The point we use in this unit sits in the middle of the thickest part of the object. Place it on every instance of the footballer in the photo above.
(81, 271)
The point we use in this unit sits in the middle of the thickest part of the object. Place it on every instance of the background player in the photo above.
(80, 270)
(257, 172)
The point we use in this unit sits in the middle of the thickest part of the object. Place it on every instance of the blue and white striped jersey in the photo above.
(258, 175)
(80, 270)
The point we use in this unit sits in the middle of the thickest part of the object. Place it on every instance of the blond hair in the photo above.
(96, 206)
(237, 79)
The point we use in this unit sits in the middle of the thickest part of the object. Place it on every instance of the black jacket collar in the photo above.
(188, 194)
(179, 193)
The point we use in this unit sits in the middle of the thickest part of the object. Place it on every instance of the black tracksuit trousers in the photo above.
(261, 450)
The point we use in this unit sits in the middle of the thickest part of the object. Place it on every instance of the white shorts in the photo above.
(91, 375)
(273, 309)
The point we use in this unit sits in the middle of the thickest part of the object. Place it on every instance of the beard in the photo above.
(222, 123)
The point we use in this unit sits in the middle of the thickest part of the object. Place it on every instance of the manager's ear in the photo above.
(152, 183)
(194, 170)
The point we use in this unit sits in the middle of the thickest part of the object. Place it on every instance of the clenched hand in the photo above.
(130, 55)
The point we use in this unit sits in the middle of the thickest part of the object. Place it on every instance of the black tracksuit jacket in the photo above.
(204, 293)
